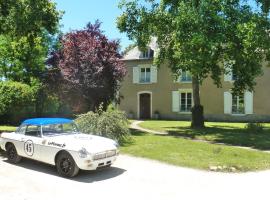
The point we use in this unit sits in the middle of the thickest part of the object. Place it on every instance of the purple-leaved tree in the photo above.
(86, 69)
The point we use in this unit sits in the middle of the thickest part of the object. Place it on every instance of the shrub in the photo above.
(254, 127)
(17, 100)
(111, 123)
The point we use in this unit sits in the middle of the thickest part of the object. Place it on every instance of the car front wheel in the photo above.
(66, 165)
(12, 154)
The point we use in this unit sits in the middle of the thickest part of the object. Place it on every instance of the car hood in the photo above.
(75, 142)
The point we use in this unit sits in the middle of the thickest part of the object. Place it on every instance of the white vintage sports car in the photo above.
(58, 142)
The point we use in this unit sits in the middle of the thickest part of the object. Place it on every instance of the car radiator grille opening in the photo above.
(103, 155)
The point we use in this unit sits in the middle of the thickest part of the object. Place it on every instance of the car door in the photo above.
(31, 141)
(16, 139)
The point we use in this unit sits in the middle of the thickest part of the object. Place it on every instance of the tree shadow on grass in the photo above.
(227, 135)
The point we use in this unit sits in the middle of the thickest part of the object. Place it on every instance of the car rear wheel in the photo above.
(66, 165)
(12, 154)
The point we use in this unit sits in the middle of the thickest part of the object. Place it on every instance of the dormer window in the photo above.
(149, 53)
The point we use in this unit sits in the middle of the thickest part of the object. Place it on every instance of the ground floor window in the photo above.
(238, 104)
(185, 101)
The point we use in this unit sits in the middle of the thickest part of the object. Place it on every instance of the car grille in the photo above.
(103, 155)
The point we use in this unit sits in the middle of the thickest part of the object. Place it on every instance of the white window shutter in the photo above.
(135, 74)
(227, 103)
(175, 101)
(248, 102)
(153, 74)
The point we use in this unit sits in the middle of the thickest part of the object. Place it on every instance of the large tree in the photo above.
(28, 17)
(26, 32)
(87, 69)
(200, 36)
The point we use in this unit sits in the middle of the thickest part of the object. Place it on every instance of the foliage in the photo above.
(200, 36)
(26, 34)
(111, 123)
(88, 66)
(22, 59)
(17, 100)
(254, 127)
(28, 17)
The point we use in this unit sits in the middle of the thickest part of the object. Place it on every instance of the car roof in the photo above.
(46, 121)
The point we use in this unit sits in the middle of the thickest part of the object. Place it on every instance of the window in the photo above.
(59, 129)
(234, 76)
(185, 101)
(149, 53)
(185, 76)
(238, 104)
(145, 74)
(21, 129)
(33, 130)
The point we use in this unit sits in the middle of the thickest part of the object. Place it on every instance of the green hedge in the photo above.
(16, 100)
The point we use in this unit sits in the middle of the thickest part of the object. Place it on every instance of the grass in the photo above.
(216, 132)
(7, 128)
(194, 154)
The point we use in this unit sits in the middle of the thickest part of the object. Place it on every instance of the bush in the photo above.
(16, 101)
(111, 123)
(254, 127)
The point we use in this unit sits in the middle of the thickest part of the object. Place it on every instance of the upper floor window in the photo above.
(145, 75)
(185, 76)
(234, 76)
(149, 53)
(238, 104)
(229, 75)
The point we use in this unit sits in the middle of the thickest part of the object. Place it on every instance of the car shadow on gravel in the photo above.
(83, 176)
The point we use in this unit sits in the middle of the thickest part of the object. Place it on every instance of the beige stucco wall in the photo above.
(212, 98)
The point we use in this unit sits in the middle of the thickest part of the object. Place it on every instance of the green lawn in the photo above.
(216, 132)
(7, 128)
(194, 154)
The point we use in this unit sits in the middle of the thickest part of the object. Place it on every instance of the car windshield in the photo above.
(59, 129)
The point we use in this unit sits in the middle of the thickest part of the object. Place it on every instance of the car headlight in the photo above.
(116, 144)
(83, 153)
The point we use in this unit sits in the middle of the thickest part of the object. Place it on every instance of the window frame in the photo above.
(39, 129)
(18, 131)
(147, 54)
(238, 104)
(145, 74)
(186, 92)
(187, 73)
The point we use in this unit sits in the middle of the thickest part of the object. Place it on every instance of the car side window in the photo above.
(21, 129)
(33, 130)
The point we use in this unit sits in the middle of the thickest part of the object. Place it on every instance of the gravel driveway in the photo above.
(130, 178)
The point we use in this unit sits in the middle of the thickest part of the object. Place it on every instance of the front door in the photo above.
(145, 106)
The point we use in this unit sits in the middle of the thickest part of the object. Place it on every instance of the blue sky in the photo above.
(79, 12)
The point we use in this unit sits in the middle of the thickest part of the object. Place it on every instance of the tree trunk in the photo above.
(197, 110)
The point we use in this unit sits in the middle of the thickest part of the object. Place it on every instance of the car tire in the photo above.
(12, 154)
(66, 165)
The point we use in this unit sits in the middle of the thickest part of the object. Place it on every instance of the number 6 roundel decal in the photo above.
(29, 147)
